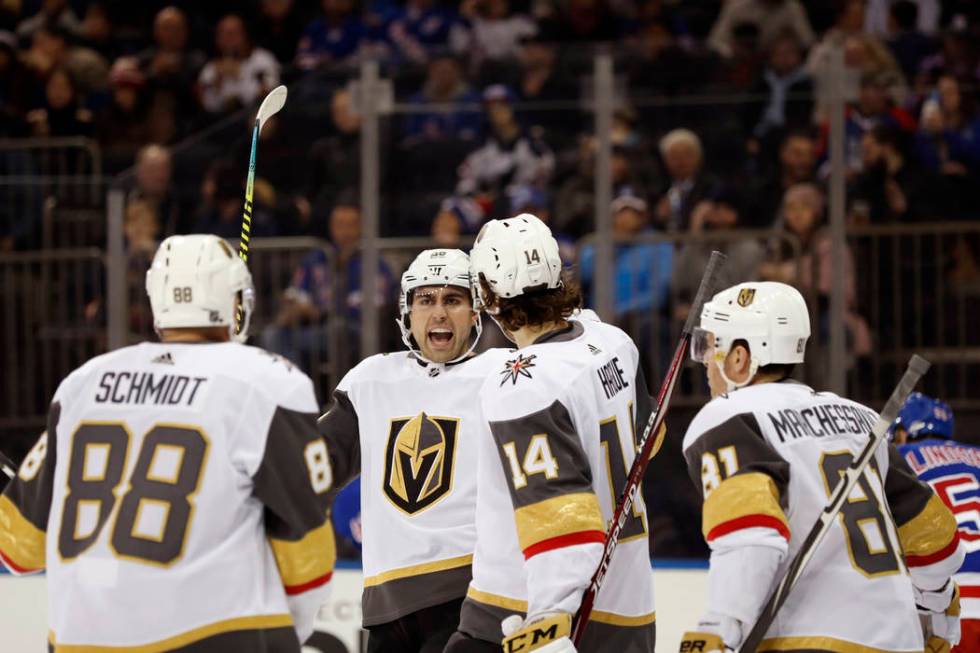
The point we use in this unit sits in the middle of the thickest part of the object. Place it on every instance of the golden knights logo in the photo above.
(419, 460)
(745, 296)
(516, 368)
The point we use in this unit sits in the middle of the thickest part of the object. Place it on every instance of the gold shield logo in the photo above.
(419, 461)
(745, 296)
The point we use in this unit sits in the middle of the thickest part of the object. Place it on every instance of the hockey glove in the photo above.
(939, 612)
(542, 633)
(694, 642)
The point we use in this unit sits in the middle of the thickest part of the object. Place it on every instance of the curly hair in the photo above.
(534, 308)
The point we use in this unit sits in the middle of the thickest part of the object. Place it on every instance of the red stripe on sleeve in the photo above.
(14, 567)
(969, 592)
(945, 552)
(570, 539)
(293, 590)
(749, 521)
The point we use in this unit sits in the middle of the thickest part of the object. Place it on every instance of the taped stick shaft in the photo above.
(916, 368)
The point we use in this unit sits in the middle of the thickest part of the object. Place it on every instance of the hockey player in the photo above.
(408, 423)
(765, 453)
(924, 433)
(562, 413)
(178, 499)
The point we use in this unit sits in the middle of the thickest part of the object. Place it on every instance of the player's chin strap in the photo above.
(731, 386)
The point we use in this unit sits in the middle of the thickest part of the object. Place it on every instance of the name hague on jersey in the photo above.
(145, 388)
(820, 421)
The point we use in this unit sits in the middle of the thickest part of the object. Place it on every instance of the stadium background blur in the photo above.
(646, 132)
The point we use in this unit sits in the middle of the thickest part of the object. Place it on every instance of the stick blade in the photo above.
(271, 105)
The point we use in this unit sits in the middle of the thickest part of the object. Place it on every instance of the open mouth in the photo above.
(440, 337)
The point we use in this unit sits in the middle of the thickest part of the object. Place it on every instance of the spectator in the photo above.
(948, 141)
(641, 272)
(874, 107)
(865, 56)
(155, 188)
(886, 188)
(541, 81)
(447, 227)
(421, 28)
(803, 218)
(96, 31)
(496, 31)
(279, 28)
(688, 182)
(51, 49)
(335, 160)
(771, 17)
(583, 20)
(797, 165)
(334, 37)
(661, 63)
(326, 288)
(220, 210)
(53, 13)
(444, 84)
(575, 200)
(909, 45)
(789, 96)
(122, 124)
(958, 57)
(17, 85)
(61, 114)
(170, 63)
(919, 15)
(718, 215)
(509, 156)
(240, 74)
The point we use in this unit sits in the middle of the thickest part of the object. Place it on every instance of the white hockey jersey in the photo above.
(766, 458)
(411, 429)
(562, 413)
(178, 498)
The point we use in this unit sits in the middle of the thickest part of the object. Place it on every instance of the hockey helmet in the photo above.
(922, 416)
(194, 281)
(434, 267)
(771, 317)
(515, 256)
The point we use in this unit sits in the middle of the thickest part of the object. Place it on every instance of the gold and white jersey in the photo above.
(411, 430)
(562, 413)
(177, 498)
(765, 459)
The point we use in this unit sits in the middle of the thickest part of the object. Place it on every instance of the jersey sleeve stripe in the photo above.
(930, 536)
(562, 541)
(21, 543)
(749, 521)
(743, 501)
(293, 590)
(307, 560)
(558, 516)
(941, 554)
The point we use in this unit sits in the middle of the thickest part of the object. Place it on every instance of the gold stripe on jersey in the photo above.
(218, 628)
(307, 559)
(557, 516)
(418, 570)
(614, 619)
(816, 643)
(928, 532)
(517, 605)
(742, 497)
(21, 542)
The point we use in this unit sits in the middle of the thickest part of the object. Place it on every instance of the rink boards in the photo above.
(680, 590)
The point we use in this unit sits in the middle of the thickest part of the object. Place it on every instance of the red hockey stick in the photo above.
(625, 504)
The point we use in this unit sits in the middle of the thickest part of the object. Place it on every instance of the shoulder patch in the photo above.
(516, 368)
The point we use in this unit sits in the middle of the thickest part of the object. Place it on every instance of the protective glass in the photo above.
(702, 345)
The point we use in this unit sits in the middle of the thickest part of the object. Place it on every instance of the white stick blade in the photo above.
(271, 105)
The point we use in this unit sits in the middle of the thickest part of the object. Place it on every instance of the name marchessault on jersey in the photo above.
(820, 421)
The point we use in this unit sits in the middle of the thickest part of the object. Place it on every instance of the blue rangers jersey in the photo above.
(953, 471)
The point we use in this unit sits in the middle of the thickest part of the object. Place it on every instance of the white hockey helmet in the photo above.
(515, 256)
(771, 317)
(194, 281)
(435, 267)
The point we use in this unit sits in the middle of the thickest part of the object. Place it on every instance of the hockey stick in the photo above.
(917, 367)
(656, 420)
(270, 106)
